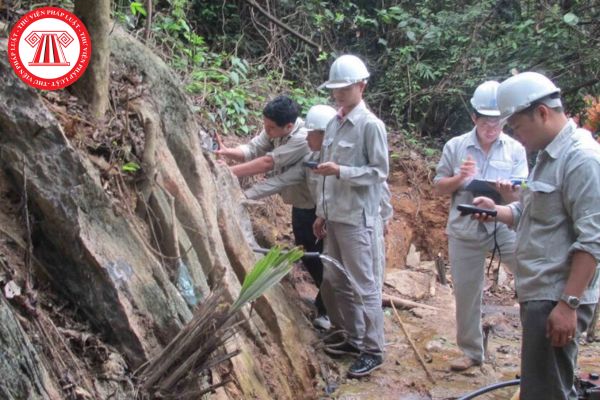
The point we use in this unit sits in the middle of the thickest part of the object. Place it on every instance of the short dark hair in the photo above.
(529, 110)
(282, 110)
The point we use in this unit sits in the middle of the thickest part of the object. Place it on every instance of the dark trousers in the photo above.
(302, 222)
(548, 372)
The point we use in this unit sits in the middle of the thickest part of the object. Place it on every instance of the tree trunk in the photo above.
(93, 85)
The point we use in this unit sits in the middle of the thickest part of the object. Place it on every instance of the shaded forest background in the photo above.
(425, 57)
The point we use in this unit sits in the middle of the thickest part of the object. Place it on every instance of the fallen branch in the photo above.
(390, 301)
(412, 344)
(279, 23)
(591, 332)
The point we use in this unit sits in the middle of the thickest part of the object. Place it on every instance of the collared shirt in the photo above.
(301, 175)
(298, 175)
(506, 159)
(559, 213)
(386, 211)
(285, 151)
(358, 144)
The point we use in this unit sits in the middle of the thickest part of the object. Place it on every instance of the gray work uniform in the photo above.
(296, 175)
(299, 174)
(286, 152)
(469, 240)
(350, 205)
(386, 213)
(559, 213)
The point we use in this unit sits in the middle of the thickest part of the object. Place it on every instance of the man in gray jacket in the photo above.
(279, 146)
(558, 234)
(486, 153)
(354, 164)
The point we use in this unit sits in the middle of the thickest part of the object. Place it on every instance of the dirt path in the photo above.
(420, 219)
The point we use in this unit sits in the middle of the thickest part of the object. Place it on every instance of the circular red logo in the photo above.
(49, 48)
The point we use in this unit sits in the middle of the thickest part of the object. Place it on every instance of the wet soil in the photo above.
(419, 219)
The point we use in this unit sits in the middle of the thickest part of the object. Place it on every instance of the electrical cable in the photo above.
(496, 248)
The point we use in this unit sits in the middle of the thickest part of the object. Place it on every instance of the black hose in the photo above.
(309, 254)
(490, 388)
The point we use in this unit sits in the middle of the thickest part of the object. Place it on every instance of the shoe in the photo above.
(463, 363)
(322, 322)
(335, 338)
(342, 348)
(364, 365)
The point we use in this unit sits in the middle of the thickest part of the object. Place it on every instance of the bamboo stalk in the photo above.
(414, 347)
(388, 301)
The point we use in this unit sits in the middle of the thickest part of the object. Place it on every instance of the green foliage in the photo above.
(130, 167)
(229, 91)
(425, 58)
(137, 8)
(266, 272)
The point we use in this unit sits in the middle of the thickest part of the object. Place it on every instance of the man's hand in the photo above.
(229, 153)
(561, 325)
(319, 229)
(219, 140)
(507, 190)
(483, 202)
(223, 151)
(327, 168)
(468, 168)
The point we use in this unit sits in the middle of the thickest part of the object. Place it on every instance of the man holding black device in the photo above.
(557, 222)
(485, 154)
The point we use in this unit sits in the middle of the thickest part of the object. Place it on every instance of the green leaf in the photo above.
(130, 167)
(137, 8)
(234, 77)
(571, 19)
(266, 272)
(411, 36)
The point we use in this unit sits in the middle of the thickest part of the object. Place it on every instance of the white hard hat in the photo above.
(318, 117)
(345, 71)
(484, 99)
(520, 91)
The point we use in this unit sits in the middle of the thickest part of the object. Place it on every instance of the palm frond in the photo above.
(267, 272)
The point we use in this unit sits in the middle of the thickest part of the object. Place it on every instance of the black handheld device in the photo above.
(310, 164)
(466, 209)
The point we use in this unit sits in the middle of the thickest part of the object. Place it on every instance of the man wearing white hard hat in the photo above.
(354, 164)
(299, 176)
(558, 234)
(484, 153)
(316, 121)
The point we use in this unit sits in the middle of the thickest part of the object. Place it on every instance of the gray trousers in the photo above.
(548, 372)
(467, 265)
(351, 291)
(379, 252)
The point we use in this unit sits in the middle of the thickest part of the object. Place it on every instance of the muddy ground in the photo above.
(419, 220)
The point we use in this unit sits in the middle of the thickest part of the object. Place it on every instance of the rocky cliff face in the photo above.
(100, 256)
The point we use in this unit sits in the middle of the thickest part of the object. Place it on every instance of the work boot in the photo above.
(322, 322)
(334, 338)
(342, 348)
(463, 363)
(364, 365)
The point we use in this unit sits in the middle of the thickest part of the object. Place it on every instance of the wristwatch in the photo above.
(572, 301)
